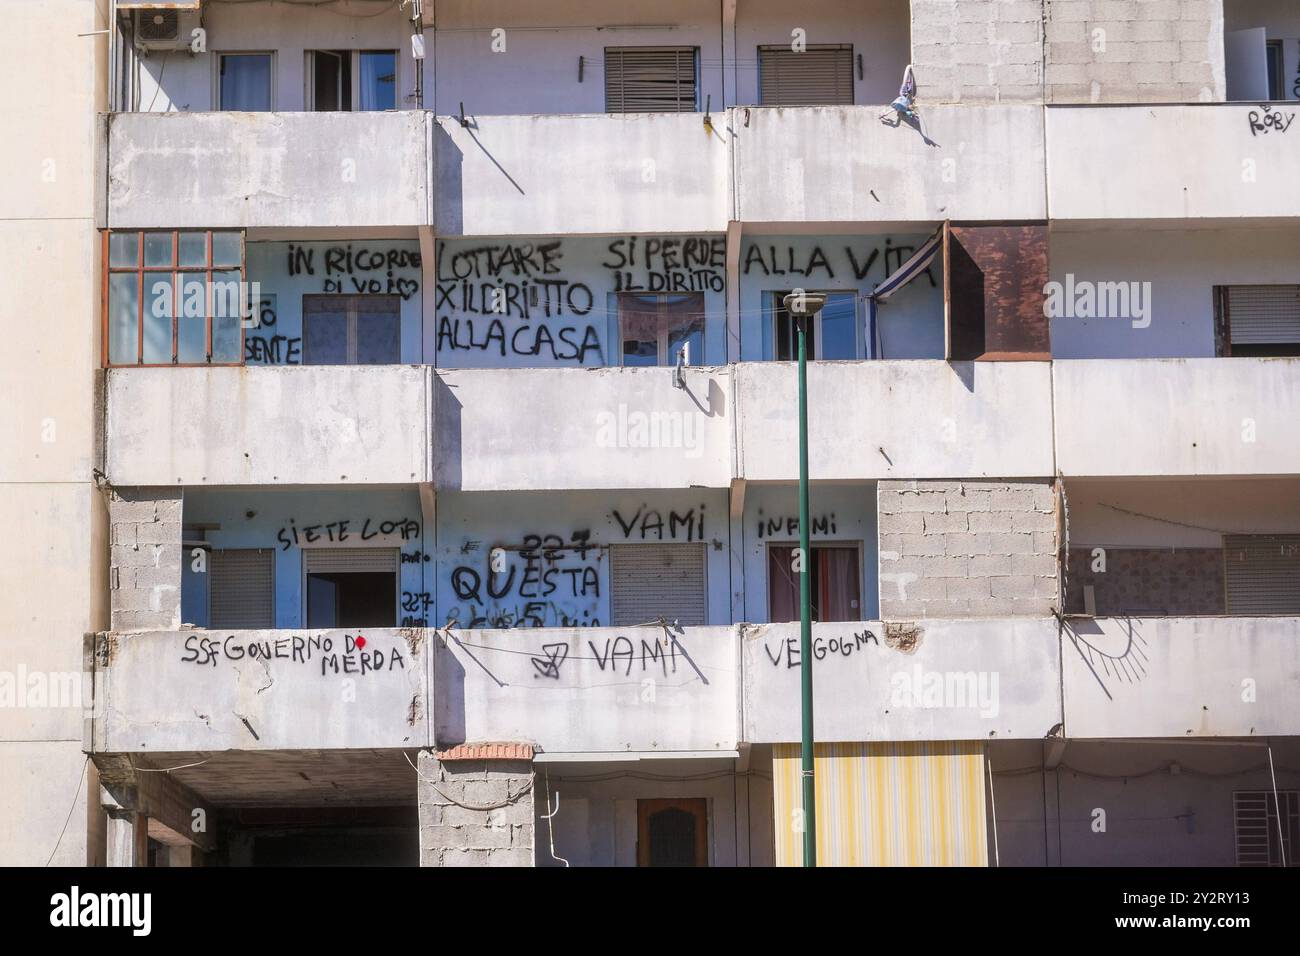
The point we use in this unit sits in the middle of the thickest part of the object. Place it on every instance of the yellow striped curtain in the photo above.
(885, 804)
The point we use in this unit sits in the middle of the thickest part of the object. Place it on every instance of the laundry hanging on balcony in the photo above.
(904, 274)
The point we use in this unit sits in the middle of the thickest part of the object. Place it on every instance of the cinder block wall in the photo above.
(452, 833)
(978, 51)
(967, 549)
(1134, 51)
(1068, 51)
(145, 574)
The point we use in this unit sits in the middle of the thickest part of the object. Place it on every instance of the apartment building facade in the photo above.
(438, 447)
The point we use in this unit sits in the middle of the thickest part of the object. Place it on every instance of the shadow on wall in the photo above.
(449, 188)
(447, 412)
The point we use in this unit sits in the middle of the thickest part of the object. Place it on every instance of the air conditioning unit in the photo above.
(163, 29)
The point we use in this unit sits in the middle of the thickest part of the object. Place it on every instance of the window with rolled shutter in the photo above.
(350, 560)
(652, 581)
(241, 588)
(1263, 319)
(1261, 839)
(645, 79)
(819, 76)
(1262, 573)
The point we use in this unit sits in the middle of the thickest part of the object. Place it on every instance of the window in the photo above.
(1273, 54)
(351, 79)
(1258, 320)
(836, 584)
(652, 581)
(650, 79)
(654, 327)
(833, 333)
(1261, 840)
(672, 832)
(1262, 573)
(241, 588)
(378, 79)
(351, 587)
(330, 73)
(174, 298)
(244, 82)
(821, 75)
(351, 329)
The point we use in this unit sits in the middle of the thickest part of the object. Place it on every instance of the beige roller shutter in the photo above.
(1262, 573)
(650, 581)
(819, 76)
(353, 560)
(650, 79)
(241, 588)
(1264, 314)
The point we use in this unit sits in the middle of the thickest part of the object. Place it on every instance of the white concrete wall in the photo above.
(1181, 265)
(216, 170)
(1170, 162)
(562, 175)
(209, 690)
(531, 66)
(869, 685)
(612, 690)
(597, 428)
(1177, 417)
(319, 425)
(53, 571)
(842, 164)
(1181, 677)
(913, 419)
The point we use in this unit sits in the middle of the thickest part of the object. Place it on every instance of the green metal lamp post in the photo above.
(802, 306)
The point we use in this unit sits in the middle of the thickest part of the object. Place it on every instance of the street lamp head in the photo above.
(802, 304)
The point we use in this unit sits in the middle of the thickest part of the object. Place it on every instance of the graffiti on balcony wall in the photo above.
(351, 654)
(787, 526)
(638, 656)
(340, 531)
(548, 581)
(264, 344)
(853, 261)
(1269, 119)
(544, 302)
(650, 524)
(786, 651)
(357, 269)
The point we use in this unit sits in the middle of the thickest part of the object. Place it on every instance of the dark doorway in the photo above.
(352, 599)
(672, 832)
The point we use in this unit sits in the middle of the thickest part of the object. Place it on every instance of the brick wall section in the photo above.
(1164, 581)
(982, 548)
(452, 835)
(977, 51)
(1134, 51)
(145, 573)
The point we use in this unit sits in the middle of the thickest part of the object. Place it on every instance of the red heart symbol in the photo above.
(361, 641)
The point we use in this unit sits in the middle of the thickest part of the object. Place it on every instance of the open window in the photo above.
(836, 583)
(350, 587)
(672, 832)
(651, 79)
(653, 581)
(1257, 320)
(245, 81)
(832, 332)
(819, 75)
(653, 328)
(351, 329)
(351, 80)
(174, 297)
